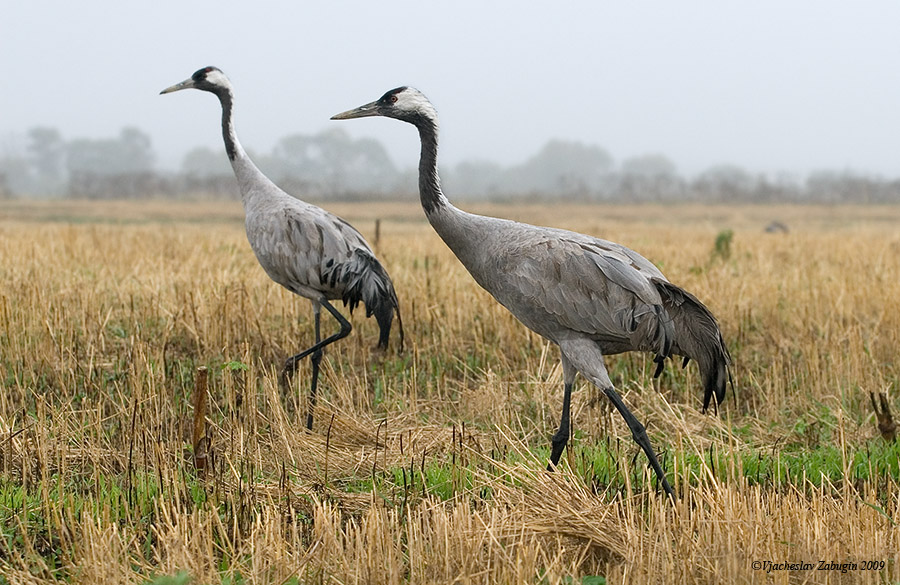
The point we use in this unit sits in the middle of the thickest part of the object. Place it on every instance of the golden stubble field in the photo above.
(427, 467)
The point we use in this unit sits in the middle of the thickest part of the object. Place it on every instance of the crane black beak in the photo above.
(186, 84)
(360, 112)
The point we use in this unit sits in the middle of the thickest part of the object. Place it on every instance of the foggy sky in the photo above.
(767, 85)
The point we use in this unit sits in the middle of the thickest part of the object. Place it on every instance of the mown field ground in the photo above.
(428, 466)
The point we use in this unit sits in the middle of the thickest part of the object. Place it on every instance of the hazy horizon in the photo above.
(769, 87)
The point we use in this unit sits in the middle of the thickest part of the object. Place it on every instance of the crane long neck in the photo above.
(461, 231)
(429, 181)
(248, 174)
(232, 145)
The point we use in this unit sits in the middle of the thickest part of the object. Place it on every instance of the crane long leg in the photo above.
(290, 364)
(639, 433)
(315, 359)
(561, 437)
(584, 355)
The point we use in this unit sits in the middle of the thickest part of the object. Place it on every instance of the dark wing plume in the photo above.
(697, 337)
(364, 279)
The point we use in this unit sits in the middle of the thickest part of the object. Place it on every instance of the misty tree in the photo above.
(780, 187)
(649, 177)
(14, 169)
(846, 186)
(112, 167)
(206, 172)
(46, 154)
(725, 183)
(5, 191)
(562, 169)
(370, 167)
(332, 163)
(649, 165)
(205, 162)
(137, 151)
(476, 178)
(131, 152)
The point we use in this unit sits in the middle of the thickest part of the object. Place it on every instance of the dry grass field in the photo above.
(428, 466)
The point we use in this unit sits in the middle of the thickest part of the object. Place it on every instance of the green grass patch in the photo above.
(613, 465)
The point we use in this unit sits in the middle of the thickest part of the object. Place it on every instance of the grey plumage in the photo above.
(304, 248)
(590, 296)
(316, 254)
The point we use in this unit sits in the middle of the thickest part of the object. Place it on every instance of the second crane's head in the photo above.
(403, 103)
(207, 79)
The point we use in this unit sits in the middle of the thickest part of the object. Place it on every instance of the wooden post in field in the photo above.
(377, 232)
(200, 440)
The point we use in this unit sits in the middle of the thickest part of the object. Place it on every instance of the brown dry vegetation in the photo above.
(107, 310)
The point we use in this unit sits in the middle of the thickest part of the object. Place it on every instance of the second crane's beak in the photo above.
(360, 112)
(186, 84)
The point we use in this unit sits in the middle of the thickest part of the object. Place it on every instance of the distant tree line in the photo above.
(331, 165)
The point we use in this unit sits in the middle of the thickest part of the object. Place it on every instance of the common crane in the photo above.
(304, 248)
(591, 297)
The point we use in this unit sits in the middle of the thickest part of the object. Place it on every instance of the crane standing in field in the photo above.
(590, 296)
(304, 248)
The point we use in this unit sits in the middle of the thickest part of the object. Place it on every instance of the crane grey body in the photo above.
(307, 250)
(589, 296)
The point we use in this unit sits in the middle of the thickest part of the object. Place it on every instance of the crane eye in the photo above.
(393, 99)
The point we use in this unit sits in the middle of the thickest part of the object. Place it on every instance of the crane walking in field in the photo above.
(589, 296)
(304, 248)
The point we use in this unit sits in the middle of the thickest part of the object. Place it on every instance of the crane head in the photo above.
(207, 79)
(404, 103)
